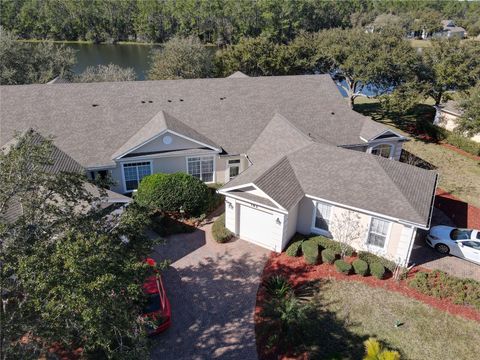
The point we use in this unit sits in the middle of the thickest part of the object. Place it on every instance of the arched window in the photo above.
(383, 150)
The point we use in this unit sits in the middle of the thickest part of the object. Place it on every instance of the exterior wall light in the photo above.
(278, 221)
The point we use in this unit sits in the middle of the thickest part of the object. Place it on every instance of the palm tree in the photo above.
(374, 351)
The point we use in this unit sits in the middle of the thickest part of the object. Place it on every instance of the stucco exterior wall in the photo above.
(398, 241)
(449, 122)
(156, 145)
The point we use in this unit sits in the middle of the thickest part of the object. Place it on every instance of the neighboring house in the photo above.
(289, 150)
(60, 162)
(450, 30)
(447, 116)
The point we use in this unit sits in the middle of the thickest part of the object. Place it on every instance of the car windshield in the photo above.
(153, 304)
(460, 234)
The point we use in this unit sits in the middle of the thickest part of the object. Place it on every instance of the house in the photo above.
(447, 115)
(290, 152)
(60, 162)
(450, 30)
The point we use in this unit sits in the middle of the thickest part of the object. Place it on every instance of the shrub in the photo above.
(343, 267)
(220, 233)
(310, 252)
(328, 256)
(174, 192)
(294, 248)
(463, 143)
(326, 243)
(444, 286)
(371, 258)
(375, 350)
(377, 270)
(165, 226)
(278, 286)
(360, 267)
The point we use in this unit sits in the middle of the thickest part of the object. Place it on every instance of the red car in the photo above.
(157, 311)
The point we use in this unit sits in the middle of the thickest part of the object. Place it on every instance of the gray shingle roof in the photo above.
(92, 121)
(351, 178)
(159, 123)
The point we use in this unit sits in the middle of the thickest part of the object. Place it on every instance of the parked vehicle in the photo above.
(463, 243)
(157, 312)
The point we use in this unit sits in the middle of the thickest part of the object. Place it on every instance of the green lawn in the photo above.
(352, 312)
(459, 174)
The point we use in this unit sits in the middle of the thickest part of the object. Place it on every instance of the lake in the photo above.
(133, 56)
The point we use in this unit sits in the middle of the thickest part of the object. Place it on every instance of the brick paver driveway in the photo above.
(212, 289)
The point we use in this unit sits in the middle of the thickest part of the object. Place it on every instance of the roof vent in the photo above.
(223, 98)
(150, 101)
(333, 113)
(143, 101)
(94, 105)
(169, 100)
(181, 99)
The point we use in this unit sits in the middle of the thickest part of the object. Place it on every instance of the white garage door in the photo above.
(256, 226)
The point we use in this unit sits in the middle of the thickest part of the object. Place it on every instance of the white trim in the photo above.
(239, 165)
(368, 212)
(314, 229)
(374, 145)
(387, 131)
(160, 134)
(412, 241)
(124, 184)
(240, 199)
(203, 156)
(376, 249)
(224, 192)
(101, 167)
(165, 155)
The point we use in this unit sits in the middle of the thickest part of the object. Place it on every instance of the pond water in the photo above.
(134, 56)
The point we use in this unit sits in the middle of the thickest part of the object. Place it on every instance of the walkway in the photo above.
(212, 289)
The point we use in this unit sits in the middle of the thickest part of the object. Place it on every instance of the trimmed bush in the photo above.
(371, 258)
(293, 248)
(463, 143)
(377, 270)
(326, 243)
(310, 252)
(220, 233)
(328, 256)
(343, 267)
(174, 192)
(278, 286)
(360, 267)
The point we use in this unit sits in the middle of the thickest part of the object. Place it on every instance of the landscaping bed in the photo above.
(373, 308)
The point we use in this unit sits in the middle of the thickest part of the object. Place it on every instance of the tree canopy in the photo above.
(110, 72)
(69, 275)
(470, 120)
(181, 58)
(219, 22)
(24, 63)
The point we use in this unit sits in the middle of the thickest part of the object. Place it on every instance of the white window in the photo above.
(383, 150)
(201, 167)
(321, 219)
(133, 173)
(233, 168)
(377, 234)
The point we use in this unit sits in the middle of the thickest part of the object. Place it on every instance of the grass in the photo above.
(425, 333)
(459, 175)
(416, 43)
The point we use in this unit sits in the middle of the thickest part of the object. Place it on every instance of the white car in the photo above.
(463, 243)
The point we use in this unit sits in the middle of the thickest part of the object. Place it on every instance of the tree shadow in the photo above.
(176, 247)
(417, 122)
(327, 334)
(212, 307)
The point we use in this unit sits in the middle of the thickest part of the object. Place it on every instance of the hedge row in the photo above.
(444, 286)
(333, 245)
(370, 258)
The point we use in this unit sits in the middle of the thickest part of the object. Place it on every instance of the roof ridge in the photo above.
(379, 160)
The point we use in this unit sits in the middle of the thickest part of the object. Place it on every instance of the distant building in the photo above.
(450, 30)
(447, 115)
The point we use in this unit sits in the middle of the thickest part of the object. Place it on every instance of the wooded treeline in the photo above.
(219, 21)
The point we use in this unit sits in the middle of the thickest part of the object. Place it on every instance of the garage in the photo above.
(256, 225)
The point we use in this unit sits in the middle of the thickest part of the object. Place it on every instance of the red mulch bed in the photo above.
(462, 213)
(460, 151)
(295, 269)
